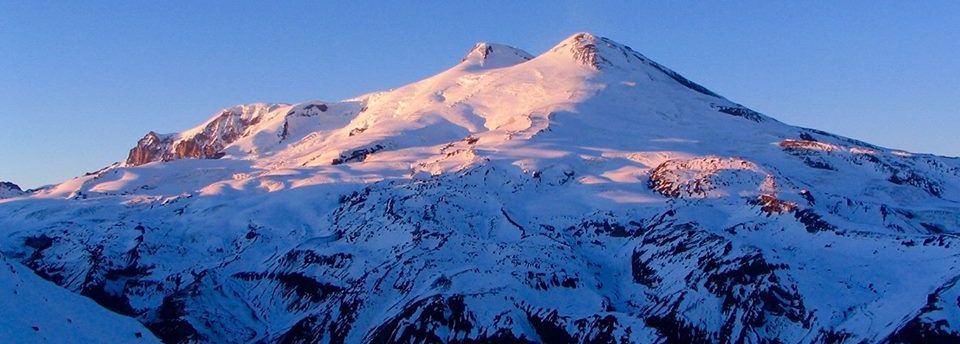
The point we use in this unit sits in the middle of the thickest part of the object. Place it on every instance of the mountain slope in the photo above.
(37, 311)
(588, 194)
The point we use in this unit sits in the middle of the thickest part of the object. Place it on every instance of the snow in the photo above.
(37, 311)
(586, 182)
(490, 55)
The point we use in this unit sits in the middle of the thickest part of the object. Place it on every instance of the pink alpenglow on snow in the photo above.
(586, 194)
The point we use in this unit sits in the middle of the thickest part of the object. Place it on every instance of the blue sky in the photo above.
(81, 81)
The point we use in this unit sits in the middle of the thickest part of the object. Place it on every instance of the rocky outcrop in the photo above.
(8, 189)
(358, 155)
(205, 142)
(152, 147)
(740, 111)
(709, 177)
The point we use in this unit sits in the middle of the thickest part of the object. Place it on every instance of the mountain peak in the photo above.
(596, 51)
(8, 189)
(581, 36)
(492, 55)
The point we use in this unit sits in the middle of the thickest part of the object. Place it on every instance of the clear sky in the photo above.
(81, 81)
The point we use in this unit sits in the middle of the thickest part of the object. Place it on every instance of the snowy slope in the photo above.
(587, 194)
(37, 311)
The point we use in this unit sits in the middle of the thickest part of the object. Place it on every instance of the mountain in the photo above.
(587, 194)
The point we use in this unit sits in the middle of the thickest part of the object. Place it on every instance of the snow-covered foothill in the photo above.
(37, 311)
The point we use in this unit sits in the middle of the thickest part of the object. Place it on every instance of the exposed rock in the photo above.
(708, 177)
(741, 111)
(358, 155)
(8, 189)
(205, 142)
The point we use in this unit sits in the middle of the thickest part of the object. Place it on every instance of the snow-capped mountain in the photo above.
(588, 194)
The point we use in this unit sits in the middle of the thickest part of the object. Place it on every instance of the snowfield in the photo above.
(588, 194)
(37, 311)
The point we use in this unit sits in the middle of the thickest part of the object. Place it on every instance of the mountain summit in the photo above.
(489, 55)
(587, 194)
(595, 51)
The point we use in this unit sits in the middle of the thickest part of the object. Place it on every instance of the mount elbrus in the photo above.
(588, 194)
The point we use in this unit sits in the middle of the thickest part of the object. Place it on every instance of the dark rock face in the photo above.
(482, 49)
(420, 320)
(832, 157)
(917, 180)
(8, 189)
(295, 285)
(933, 323)
(358, 155)
(740, 111)
(920, 331)
(320, 107)
(732, 274)
(170, 326)
(10, 186)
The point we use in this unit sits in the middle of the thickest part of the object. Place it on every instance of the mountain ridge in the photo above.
(195, 143)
